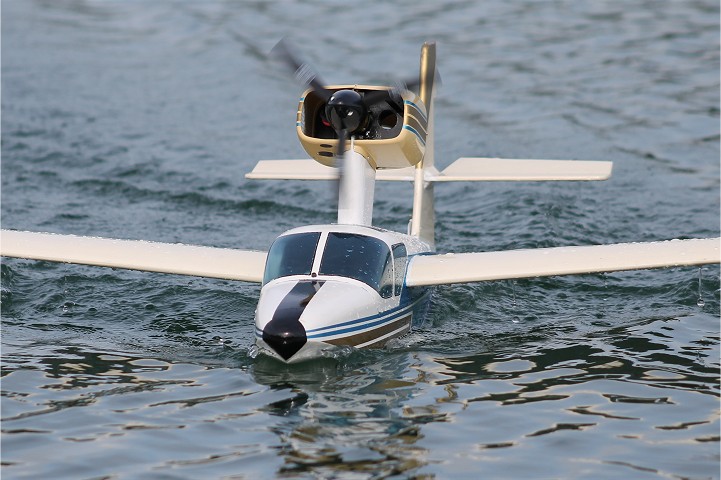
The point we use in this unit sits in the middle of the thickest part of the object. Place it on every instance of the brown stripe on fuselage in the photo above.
(374, 334)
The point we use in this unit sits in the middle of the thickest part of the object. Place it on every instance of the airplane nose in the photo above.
(284, 333)
(286, 338)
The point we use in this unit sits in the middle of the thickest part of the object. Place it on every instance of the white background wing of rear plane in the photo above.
(542, 262)
(230, 264)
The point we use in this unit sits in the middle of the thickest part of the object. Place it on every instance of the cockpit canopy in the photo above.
(349, 255)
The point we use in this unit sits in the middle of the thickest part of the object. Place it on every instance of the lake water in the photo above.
(138, 120)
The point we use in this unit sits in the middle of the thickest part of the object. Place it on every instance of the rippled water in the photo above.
(138, 120)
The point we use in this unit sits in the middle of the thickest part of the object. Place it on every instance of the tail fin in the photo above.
(423, 219)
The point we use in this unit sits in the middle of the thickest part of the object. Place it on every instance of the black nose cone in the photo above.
(286, 338)
(284, 333)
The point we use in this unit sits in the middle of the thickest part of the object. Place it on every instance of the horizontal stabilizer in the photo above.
(292, 170)
(514, 170)
(468, 169)
(544, 262)
(463, 169)
(229, 264)
(311, 170)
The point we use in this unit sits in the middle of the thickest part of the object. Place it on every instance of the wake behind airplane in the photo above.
(351, 284)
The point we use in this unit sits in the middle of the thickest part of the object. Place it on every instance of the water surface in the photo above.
(138, 120)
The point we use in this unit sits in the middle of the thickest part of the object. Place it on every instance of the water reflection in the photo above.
(346, 415)
(601, 387)
(369, 413)
(99, 400)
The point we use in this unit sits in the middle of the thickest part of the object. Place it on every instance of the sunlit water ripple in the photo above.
(131, 120)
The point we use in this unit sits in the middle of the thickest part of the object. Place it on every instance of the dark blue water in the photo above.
(138, 120)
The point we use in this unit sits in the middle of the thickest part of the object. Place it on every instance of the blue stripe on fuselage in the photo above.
(364, 323)
(413, 130)
(418, 109)
(409, 299)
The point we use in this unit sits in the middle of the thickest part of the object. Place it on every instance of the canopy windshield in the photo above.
(349, 255)
(291, 255)
(363, 258)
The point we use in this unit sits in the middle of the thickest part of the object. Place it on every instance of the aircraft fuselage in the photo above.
(329, 286)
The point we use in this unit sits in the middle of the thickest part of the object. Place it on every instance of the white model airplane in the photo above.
(349, 283)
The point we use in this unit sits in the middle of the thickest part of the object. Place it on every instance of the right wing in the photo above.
(211, 262)
(546, 262)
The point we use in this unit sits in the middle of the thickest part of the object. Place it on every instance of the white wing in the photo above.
(544, 262)
(246, 265)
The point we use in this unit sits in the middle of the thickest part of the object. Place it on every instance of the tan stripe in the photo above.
(371, 335)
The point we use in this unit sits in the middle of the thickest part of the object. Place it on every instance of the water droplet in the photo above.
(700, 302)
(253, 351)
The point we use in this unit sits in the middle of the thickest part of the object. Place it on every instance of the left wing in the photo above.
(545, 262)
(226, 263)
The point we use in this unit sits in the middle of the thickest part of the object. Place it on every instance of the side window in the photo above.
(400, 260)
(386, 284)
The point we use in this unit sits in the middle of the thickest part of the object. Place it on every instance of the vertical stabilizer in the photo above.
(423, 219)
